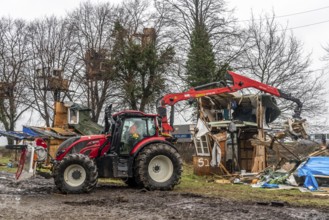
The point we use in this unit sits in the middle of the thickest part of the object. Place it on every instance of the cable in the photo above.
(302, 26)
(303, 12)
(287, 15)
(307, 25)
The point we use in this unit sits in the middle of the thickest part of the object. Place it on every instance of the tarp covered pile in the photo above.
(305, 174)
(312, 168)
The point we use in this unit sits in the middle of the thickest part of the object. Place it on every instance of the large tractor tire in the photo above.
(76, 173)
(158, 167)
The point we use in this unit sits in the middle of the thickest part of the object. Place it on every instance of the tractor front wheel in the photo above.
(76, 173)
(158, 167)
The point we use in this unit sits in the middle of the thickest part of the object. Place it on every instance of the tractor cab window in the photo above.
(134, 130)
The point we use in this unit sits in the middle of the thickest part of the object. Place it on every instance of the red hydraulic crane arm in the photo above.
(237, 82)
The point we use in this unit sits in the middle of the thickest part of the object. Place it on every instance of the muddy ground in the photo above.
(38, 198)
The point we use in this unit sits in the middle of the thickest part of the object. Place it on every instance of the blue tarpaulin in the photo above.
(268, 185)
(29, 131)
(311, 168)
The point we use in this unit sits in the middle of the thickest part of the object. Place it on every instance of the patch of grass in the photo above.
(204, 185)
(111, 181)
(3, 165)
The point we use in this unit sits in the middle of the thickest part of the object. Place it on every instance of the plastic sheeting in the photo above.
(312, 167)
(202, 129)
(215, 155)
(270, 185)
(16, 135)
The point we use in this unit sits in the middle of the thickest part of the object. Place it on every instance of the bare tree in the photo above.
(14, 56)
(275, 57)
(92, 25)
(53, 52)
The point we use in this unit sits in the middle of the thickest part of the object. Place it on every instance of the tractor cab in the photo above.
(132, 127)
(131, 133)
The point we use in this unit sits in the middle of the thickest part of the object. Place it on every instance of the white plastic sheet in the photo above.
(202, 129)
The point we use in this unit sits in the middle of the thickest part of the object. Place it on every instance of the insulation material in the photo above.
(215, 155)
(202, 129)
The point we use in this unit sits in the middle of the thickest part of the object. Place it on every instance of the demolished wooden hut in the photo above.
(226, 125)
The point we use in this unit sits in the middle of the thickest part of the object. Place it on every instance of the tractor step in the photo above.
(121, 168)
(113, 165)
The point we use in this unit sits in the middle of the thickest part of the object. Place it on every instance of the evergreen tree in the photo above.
(200, 65)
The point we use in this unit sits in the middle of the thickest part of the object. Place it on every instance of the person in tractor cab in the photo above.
(132, 134)
(136, 130)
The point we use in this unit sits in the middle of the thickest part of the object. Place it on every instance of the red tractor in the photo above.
(131, 148)
(135, 146)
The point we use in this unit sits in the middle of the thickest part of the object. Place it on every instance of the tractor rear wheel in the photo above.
(76, 173)
(158, 167)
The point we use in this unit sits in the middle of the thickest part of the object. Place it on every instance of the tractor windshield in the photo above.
(134, 130)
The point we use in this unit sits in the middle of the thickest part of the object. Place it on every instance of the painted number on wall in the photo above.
(203, 162)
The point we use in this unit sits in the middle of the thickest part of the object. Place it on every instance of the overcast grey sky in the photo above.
(313, 36)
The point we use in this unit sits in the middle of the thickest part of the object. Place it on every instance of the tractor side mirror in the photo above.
(108, 119)
(108, 111)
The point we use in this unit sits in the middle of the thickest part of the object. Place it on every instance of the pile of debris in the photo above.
(311, 172)
(307, 173)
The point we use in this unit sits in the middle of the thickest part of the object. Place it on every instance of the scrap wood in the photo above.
(322, 191)
(325, 189)
(228, 174)
(296, 127)
(256, 142)
(248, 179)
(317, 153)
(320, 194)
(225, 176)
(267, 143)
(259, 154)
(222, 167)
(223, 181)
(320, 176)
